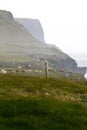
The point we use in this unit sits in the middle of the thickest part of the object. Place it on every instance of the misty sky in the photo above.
(64, 22)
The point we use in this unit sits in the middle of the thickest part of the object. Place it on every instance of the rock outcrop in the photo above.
(19, 45)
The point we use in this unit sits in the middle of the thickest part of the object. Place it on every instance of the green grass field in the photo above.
(37, 103)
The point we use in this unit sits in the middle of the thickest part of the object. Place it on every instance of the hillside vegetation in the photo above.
(36, 103)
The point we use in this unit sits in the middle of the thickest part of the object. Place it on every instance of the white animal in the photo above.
(3, 71)
(36, 71)
(30, 70)
(85, 76)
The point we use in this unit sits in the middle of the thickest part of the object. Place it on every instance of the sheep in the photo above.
(3, 71)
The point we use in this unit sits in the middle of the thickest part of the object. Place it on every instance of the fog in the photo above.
(64, 22)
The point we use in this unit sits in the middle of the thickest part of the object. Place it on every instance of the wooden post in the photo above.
(46, 68)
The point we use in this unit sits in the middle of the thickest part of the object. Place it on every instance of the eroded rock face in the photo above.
(6, 15)
(33, 26)
(18, 45)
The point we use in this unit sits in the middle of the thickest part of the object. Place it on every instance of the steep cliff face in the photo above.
(6, 15)
(33, 26)
(19, 45)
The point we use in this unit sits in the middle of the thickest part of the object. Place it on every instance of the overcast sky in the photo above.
(64, 22)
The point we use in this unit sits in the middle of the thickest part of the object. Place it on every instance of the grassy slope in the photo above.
(42, 104)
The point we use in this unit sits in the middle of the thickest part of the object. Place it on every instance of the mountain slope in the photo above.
(14, 37)
(18, 45)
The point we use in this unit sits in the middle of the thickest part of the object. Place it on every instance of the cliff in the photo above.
(33, 26)
(20, 45)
